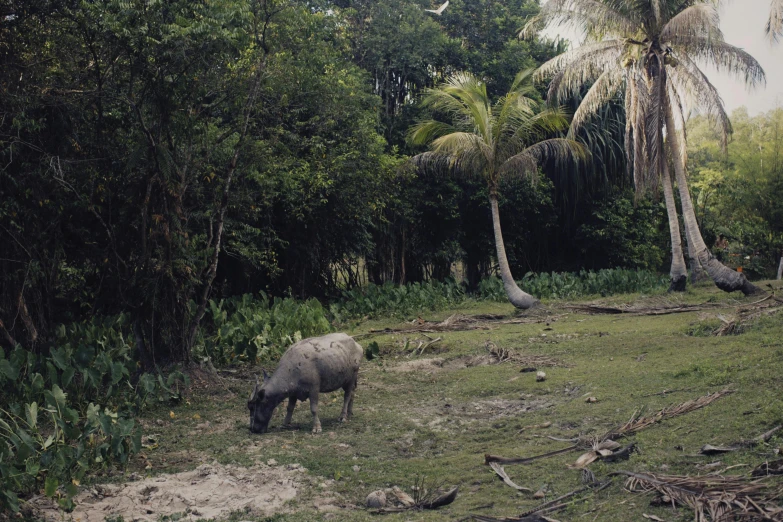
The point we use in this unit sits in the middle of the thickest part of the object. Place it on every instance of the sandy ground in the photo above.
(209, 491)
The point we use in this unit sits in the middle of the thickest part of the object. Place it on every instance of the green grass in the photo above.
(404, 429)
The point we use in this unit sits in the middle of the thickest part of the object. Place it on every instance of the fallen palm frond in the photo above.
(537, 514)
(498, 469)
(488, 459)
(458, 323)
(423, 498)
(738, 324)
(598, 446)
(500, 355)
(643, 310)
(639, 422)
(712, 497)
(709, 449)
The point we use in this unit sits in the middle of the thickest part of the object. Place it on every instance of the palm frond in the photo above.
(562, 150)
(562, 61)
(465, 144)
(429, 130)
(775, 22)
(701, 95)
(697, 20)
(595, 16)
(586, 69)
(725, 57)
(602, 91)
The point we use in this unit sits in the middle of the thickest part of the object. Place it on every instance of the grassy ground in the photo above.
(438, 419)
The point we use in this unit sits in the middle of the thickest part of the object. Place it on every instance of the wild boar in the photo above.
(318, 364)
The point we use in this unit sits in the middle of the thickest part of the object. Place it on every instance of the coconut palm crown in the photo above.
(507, 138)
(650, 50)
(775, 22)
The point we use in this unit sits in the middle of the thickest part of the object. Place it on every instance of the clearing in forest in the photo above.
(639, 391)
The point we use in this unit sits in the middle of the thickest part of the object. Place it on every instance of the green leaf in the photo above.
(31, 412)
(60, 358)
(8, 371)
(50, 485)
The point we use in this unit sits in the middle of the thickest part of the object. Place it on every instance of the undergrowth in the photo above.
(71, 409)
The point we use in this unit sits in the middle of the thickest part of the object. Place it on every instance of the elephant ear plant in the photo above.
(71, 410)
(510, 137)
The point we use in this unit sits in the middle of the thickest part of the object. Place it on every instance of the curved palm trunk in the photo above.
(698, 274)
(724, 278)
(516, 296)
(678, 272)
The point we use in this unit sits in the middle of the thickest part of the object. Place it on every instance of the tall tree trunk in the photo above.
(726, 279)
(698, 274)
(678, 272)
(516, 296)
(780, 269)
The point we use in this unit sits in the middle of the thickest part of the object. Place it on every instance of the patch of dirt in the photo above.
(500, 408)
(209, 491)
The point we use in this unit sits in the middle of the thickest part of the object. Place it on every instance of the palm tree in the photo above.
(649, 49)
(775, 23)
(506, 138)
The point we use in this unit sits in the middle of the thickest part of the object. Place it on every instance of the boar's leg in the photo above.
(349, 388)
(314, 410)
(290, 412)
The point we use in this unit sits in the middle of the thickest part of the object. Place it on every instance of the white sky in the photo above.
(742, 23)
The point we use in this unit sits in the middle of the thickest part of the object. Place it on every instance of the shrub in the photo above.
(572, 285)
(247, 328)
(397, 301)
(72, 409)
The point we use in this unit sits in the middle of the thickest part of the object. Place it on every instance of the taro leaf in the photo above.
(372, 351)
(37, 383)
(93, 412)
(32, 468)
(83, 356)
(60, 358)
(67, 376)
(66, 504)
(9, 498)
(9, 371)
(71, 489)
(48, 442)
(55, 398)
(116, 372)
(25, 446)
(50, 485)
(31, 412)
(93, 376)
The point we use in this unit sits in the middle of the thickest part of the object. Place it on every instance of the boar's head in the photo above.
(261, 407)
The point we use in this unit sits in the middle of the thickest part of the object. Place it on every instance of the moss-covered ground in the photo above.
(435, 419)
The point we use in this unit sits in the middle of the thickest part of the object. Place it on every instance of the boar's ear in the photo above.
(266, 377)
(255, 391)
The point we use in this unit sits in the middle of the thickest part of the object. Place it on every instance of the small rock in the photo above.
(159, 422)
(376, 499)
(541, 493)
(540, 376)
(591, 399)
(294, 466)
(357, 469)
(271, 462)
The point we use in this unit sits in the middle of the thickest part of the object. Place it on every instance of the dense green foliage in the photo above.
(246, 329)
(73, 411)
(739, 196)
(583, 284)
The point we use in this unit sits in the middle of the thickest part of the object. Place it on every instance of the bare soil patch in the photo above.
(209, 491)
